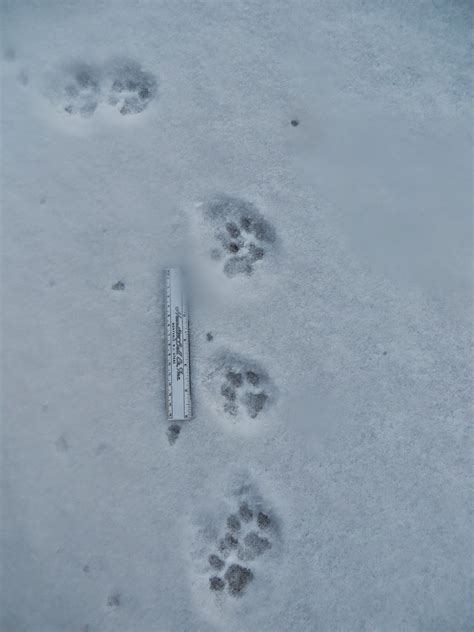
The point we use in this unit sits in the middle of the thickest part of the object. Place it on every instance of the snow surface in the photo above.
(356, 319)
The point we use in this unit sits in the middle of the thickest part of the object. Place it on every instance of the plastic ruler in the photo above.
(178, 383)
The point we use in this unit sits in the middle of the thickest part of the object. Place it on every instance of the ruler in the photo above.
(178, 382)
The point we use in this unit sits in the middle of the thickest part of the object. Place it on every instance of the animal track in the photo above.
(61, 444)
(242, 384)
(132, 88)
(9, 54)
(235, 555)
(173, 433)
(23, 78)
(81, 88)
(113, 600)
(243, 235)
(247, 533)
(81, 92)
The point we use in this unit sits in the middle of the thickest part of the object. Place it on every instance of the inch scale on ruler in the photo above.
(178, 383)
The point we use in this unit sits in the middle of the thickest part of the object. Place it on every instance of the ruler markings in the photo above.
(178, 369)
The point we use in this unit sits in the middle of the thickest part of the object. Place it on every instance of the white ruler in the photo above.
(178, 381)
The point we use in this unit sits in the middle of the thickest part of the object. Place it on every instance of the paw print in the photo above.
(244, 237)
(82, 90)
(113, 600)
(234, 547)
(131, 89)
(249, 531)
(243, 385)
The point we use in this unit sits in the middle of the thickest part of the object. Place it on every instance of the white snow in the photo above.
(357, 316)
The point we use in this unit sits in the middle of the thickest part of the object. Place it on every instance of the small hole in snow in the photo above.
(173, 433)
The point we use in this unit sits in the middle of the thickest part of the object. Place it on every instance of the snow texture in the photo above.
(309, 163)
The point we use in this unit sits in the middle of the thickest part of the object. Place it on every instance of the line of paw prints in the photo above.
(80, 88)
(247, 536)
(243, 384)
(244, 237)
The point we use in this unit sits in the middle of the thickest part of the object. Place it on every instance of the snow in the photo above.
(356, 319)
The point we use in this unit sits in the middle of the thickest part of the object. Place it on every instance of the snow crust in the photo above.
(127, 127)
